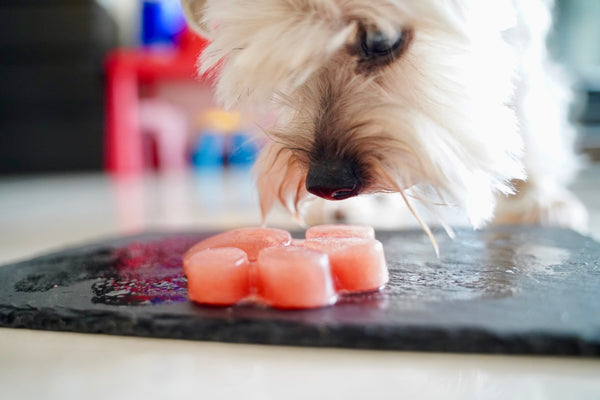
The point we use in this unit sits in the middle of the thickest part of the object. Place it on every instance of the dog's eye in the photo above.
(375, 45)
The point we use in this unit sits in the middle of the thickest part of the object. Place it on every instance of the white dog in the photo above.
(444, 102)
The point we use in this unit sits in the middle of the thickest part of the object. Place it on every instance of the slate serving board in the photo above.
(509, 290)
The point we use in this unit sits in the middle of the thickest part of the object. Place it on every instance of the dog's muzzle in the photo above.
(333, 180)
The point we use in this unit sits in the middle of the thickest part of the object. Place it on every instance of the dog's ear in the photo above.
(194, 12)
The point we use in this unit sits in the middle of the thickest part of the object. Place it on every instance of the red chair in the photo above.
(127, 71)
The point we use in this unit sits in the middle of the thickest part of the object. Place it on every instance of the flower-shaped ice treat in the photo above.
(267, 266)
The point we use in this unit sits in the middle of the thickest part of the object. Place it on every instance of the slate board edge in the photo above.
(409, 338)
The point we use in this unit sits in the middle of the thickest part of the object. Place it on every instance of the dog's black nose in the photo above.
(333, 180)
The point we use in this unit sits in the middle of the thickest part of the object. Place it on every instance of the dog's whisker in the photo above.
(423, 225)
(397, 188)
(300, 194)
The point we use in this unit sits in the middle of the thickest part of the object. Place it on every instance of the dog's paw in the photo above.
(547, 206)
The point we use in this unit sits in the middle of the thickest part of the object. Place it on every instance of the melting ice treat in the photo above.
(218, 276)
(358, 265)
(266, 266)
(294, 277)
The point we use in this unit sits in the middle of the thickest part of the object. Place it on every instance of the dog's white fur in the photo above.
(469, 112)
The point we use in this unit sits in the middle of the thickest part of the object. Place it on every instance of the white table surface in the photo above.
(42, 213)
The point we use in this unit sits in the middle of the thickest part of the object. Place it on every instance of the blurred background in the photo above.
(575, 44)
(88, 87)
(109, 84)
(98, 85)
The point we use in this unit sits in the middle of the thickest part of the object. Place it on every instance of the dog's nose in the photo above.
(333, 180)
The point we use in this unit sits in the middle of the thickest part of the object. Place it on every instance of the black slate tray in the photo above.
(509, 290)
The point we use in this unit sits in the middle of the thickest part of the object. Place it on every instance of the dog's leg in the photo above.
(541, 104)
(543, 203)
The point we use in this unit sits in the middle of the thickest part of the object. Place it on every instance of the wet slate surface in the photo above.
(504, 290)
